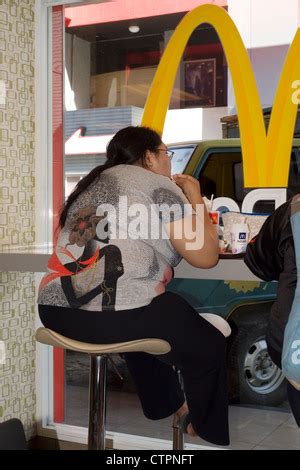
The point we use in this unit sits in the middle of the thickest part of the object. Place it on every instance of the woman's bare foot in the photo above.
(182, 410)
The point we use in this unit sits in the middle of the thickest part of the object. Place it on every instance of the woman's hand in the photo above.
(189, 185)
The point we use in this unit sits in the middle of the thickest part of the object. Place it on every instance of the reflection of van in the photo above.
(246, 305)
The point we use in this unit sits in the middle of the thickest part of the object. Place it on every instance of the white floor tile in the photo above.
(250, 427)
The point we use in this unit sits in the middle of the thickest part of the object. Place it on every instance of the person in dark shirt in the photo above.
(271, 256)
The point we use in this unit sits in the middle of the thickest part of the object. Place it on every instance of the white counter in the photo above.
(227, 269)
(35, 260)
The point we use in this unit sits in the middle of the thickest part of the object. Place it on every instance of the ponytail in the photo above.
(80, 187)
(128, 146)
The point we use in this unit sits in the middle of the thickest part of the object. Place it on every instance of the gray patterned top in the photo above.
(112, 253)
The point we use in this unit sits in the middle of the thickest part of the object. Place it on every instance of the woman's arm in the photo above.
(202, 248)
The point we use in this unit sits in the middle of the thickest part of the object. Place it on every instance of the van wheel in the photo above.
(258, 379)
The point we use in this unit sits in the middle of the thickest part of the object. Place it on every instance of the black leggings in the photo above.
(198, 350)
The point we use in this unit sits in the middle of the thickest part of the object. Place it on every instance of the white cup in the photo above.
(239, 237)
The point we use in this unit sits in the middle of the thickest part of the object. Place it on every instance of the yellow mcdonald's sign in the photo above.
(266, 156)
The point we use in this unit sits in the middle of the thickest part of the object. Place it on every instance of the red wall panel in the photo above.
(120, 10)
(58, 155)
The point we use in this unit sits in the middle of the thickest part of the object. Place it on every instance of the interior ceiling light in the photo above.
(134, 28)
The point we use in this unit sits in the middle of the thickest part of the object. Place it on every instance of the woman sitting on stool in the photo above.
(106, 281)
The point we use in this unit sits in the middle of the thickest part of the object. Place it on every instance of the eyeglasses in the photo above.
(170, 153)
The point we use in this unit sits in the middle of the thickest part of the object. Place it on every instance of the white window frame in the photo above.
(43, 160)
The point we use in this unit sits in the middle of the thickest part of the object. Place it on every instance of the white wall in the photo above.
(193, 124)
(267, 63)
(69, 94)
(267, 28)
(264, 23)
(77, 73)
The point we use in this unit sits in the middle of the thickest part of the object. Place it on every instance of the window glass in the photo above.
(109, 69)
(217, 176)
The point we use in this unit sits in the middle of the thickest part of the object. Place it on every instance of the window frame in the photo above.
(44, 218)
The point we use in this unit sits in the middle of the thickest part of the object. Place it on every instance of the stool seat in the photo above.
(99, 354)
(147, 345)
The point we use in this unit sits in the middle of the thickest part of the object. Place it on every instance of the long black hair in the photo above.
(128, 146)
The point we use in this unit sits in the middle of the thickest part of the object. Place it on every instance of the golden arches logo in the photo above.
(266, 156)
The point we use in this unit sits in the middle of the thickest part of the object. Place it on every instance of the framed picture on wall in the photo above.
(200, 83)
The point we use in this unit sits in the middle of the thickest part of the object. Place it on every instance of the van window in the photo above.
(181, 157)
(260, 207)
(217, 176)
(222, 175)
(267, 207)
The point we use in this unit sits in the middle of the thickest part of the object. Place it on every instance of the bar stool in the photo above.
(99, 354)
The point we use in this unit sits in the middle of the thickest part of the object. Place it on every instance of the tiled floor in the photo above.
(250, 427)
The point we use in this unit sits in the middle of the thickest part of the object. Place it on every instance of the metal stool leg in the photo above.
(178, 440)
(97, 403)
